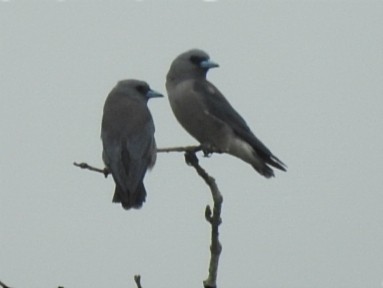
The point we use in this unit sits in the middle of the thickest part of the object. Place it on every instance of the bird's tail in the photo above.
(128, 199)
(264, 170)
(276, 163)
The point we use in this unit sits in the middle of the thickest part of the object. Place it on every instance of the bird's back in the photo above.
(129, 149)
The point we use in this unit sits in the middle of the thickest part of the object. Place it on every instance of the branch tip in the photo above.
(137, 279)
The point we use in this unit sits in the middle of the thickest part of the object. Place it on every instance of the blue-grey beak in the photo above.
(153, 94)
(207, 64)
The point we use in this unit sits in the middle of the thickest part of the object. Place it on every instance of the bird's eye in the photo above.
(142, 89)
(196, 59)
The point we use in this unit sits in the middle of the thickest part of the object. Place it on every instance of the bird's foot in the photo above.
(209, 149)
(106, 172)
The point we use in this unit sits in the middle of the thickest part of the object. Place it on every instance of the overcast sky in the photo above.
(306, 75)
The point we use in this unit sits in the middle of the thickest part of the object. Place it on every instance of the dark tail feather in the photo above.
(265, 170)
(275, 162)
(138, 198)
(130, 200)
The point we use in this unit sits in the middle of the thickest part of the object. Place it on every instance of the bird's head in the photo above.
(139, 88)
(191, 64)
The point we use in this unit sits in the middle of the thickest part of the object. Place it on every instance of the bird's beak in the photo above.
(153, 94)
(207, 64)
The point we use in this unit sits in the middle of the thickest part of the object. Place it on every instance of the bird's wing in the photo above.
(137, 150)
(219, 107)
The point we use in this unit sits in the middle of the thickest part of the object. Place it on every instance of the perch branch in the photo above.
(214, 218)
(206, 150)
(179, 149)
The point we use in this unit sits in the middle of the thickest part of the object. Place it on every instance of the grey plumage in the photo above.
(206, 114)
(127, 133)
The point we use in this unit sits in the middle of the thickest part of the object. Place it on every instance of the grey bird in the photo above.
(127, 133)
(206, 114)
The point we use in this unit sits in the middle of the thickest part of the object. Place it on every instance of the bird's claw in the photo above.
(208, 150)
(106, 172)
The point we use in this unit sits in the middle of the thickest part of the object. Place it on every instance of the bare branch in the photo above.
(137, 279)
(83, 165)
(214, 218)
(206, 150)
(180, 149)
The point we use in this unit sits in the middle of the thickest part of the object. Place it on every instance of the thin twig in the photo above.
(137, 279)
(213, 218)
(83, 165)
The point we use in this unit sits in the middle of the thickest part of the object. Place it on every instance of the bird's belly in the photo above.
(242, 150)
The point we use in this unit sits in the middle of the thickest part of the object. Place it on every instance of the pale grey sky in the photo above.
(307, 77)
